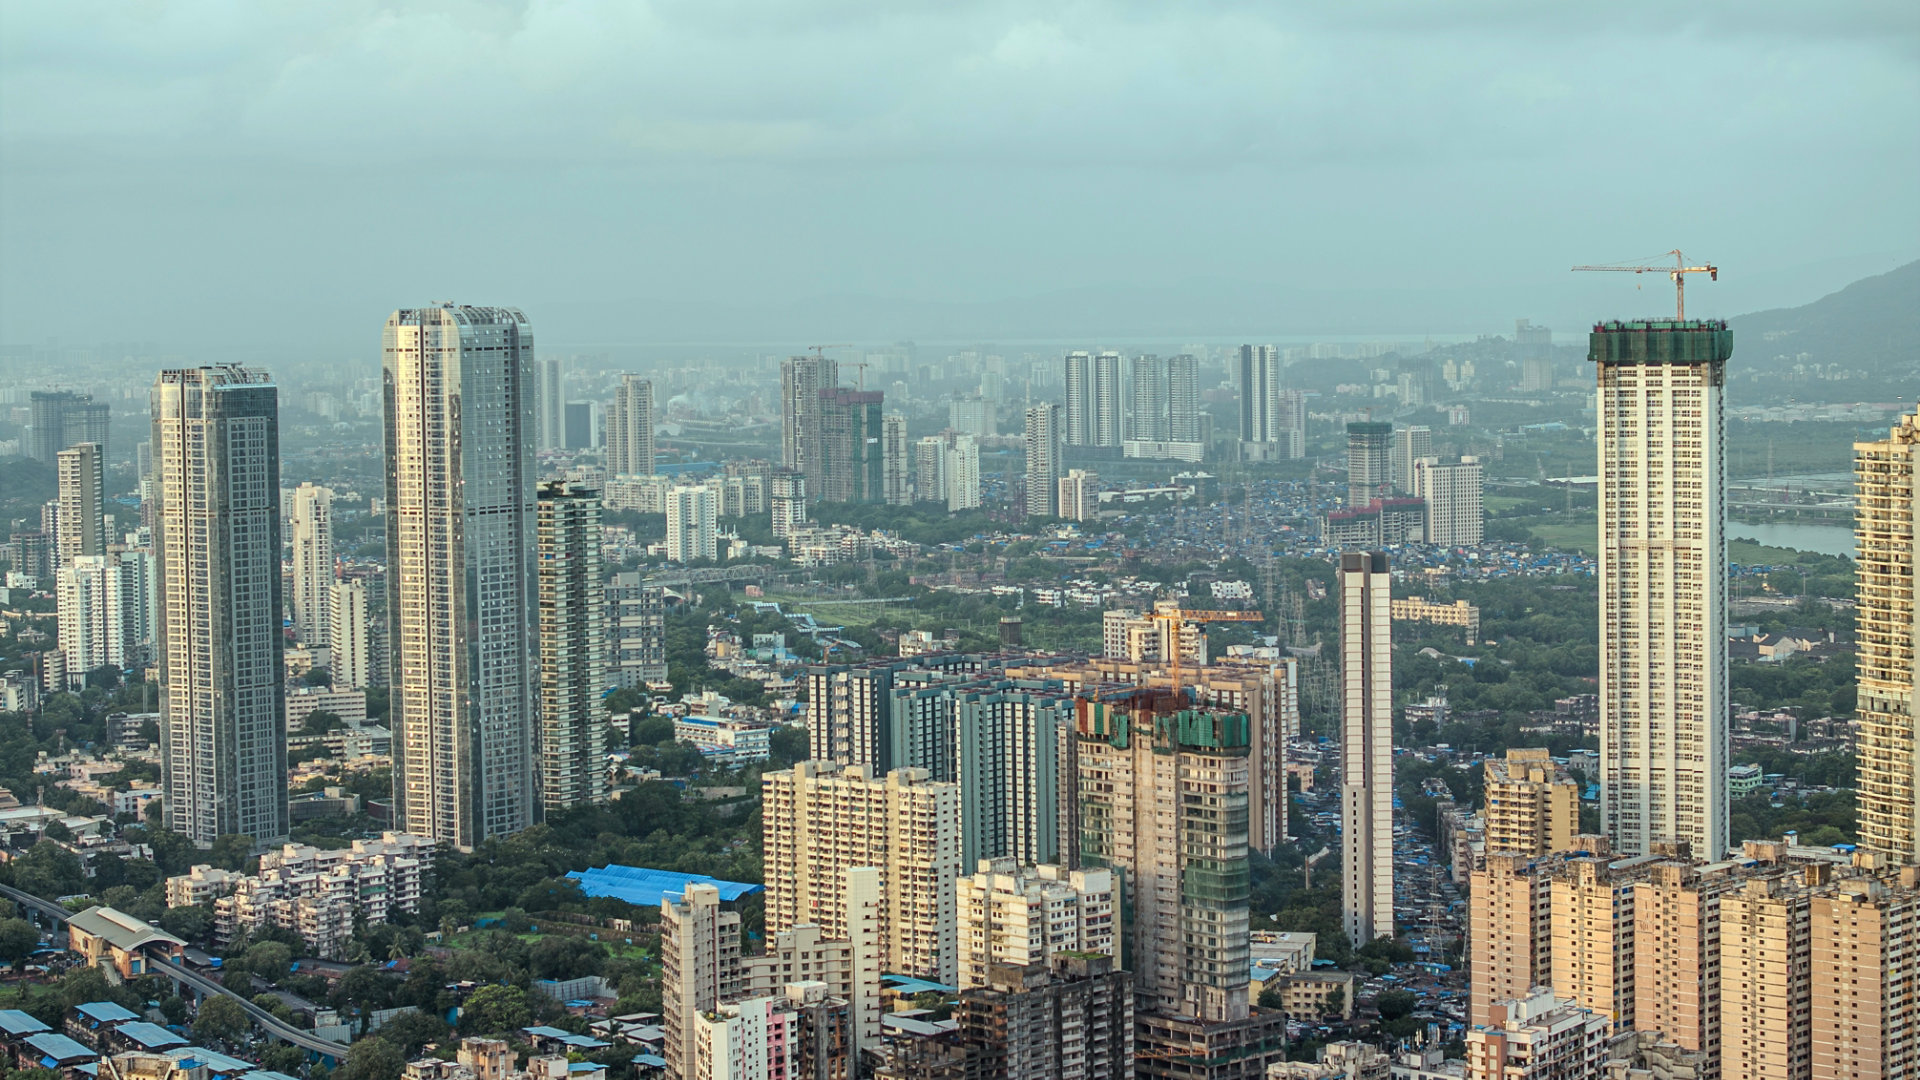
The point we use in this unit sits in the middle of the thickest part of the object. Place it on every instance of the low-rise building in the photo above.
(724, 739)
(133, 946)
(1314, 995)
(316, 894)
(1420, 609)
(1539, 1037)
(1020, 916)
(1337, 1061)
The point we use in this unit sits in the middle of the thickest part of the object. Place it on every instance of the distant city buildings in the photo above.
(61, 418)
(223, 729)
(1079, 491)
(1093, 411)
(851, 465)
(1366, 758)
(1887, 527)
(1663, 588)
(896, 490)
(638, 623)
(1410, 444)
(802, 378)
(80, 524)
(693, 524)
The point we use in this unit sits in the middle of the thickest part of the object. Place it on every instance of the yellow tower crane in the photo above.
(1678, 272)
(1182, 616)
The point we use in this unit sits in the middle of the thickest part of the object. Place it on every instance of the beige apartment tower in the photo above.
(1886, 529)
(461, 580)
(1010, 914)
(310, 528)
(1664, 748)
(1366, 738)
(630, 428)
(574, 678)
(1865, 949)
(1510, 930)
(1532, 806)
(821, 819)
(1766, 1007)
(81, 527)
(699, 964)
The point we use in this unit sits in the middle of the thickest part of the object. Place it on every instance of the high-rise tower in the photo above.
(81, 528)
(1663, 588)
(1887, 526)
(1078, 415)
(801, 380)
(310, 521)
(572, 741)
(62, 418)
(461, 580)
(1184, 414)
(223, 719)
(1043, 461)
(1369, 462)
(550, 402)
(893, 461)
(851, 465)
(630, 428)
(1366, 755)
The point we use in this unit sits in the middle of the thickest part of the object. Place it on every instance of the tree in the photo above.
(269, 959)
(220, 1017)
(1395, 1004)
(410, 1031)
(1271, 997)
(494, 1008)
(231, 851)
(373, 1059)
(1337, 1001)
(193, 922)
(319, 676)
(18, 940)
(321, 721)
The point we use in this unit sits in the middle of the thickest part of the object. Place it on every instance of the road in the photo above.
(264, 1020)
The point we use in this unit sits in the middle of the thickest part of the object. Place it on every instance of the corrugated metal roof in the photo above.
(646, 887)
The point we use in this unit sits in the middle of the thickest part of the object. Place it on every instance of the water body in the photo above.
(1819, 539)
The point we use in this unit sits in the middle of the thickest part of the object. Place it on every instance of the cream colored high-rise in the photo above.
(1887, 525)
(1664, 748)
(630, 428)
(1366, 754)
(1017, 915)
(699, 964)
(310, 528)
(820, 819)
(1766, 1008)
(81, 526)
(1532, 807)
(1676, 954)
(1455, 497)
(1592, 939)
(1510, 928)
(461, 580)
(350, 639)
(1865, 952)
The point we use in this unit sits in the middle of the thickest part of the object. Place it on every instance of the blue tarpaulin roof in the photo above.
(105, 1012)
(639, 885)
(52, 1046)
(17, 1023)
(150, 1036)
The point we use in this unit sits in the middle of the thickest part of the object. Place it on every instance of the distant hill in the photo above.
(1872, 325)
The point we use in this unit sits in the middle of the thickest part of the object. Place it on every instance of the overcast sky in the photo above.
(630, 171)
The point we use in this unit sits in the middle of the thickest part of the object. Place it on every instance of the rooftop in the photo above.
(647, 888)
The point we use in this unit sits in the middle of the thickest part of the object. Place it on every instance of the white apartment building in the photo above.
(962, 474)
(1456, 512)
(1366, 758)
(1539, 1037)
(1079, 491)
(310, 528)
(317, 894)
(350, 639)
(1010, 914)
(1664, 747)
(894, 489)
(693, 530)
(630, 428)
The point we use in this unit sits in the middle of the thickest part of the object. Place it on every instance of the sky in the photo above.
(279, 175)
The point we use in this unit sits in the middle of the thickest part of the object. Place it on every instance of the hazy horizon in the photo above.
(755, 172)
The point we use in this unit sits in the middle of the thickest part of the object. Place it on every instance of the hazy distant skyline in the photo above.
(280, 177)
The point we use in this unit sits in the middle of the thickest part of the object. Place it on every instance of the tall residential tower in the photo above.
(1366, 755)
(1887, 527)
(461, 579)
(310, 521)
(223, 718)
(630, 428)
(1663, 588)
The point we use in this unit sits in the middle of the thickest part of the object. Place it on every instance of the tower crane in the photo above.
(1678, 272)
(1179, 617)
(861, 364)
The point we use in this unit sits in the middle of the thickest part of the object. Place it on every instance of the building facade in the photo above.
(310, 528)
(1369, 462)
(895, 486)
(223, 726)
(81, 526)
(630, 428)
(1456, 508)
(351, 635)
(61, 418)
(1410, 444)
(1366, 756)
(1044, 461)
(801, 380)
(462, 586)
(693, 523)
(1023, 915)
(852, 466)
(821, 819)
(574, 679)
(1664, 748)
(1532, 805)
(1886, 530)
(638, 621)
